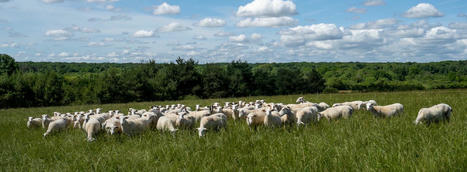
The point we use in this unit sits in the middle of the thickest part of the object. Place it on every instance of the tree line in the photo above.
(26, 84)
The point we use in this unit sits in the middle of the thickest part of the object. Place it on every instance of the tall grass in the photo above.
(362, 142)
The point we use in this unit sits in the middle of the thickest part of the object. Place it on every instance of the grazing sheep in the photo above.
(214, 121)
(166, 123)
(354, 104)
(307, 115)
(287, 116)
(112, 126)
(436, 113)
(199, 114)
(296, 107)
(153, 116)
(322, 106)
(336, 112)
(272, 120)
(184, 121)
(93, 126)
(256, 118)
(78, 121)
(57, 125)
(34, 122)
(231, 112)
(385, 111)
(135, 126)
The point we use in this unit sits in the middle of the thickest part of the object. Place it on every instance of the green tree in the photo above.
(7, 64)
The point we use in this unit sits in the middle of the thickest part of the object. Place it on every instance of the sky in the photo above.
(256, 31)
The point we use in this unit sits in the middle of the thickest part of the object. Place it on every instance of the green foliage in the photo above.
(7, 64)
(361, 143)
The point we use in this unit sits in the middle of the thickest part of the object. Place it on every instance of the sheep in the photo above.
(214, 121)
(287, 117)
(112, 126)
(78, 121)
(272, 120)
(135, 126)
(185, 122)
(57, 125)
(436, 113)
(46, 120)
(153, 116)
(93, 126)
(296, 107)
(256, 118)
(300, 100)
(322, 106)
(34, 122)
(354, 104)
(231, 112)
(166, 123)
(385, 111)
(307, 115)
(199, 114)
(336, 112)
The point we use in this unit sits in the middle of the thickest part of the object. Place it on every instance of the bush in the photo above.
(330, 90)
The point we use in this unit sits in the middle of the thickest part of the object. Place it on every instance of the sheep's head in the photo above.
(113, 128)
(249, 118)
(369, 106)
(300, 100)
(201, 131)
(285, 111)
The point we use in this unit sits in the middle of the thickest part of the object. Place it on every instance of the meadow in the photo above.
(361, 143)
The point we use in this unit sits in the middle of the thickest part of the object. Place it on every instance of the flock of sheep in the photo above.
(173, 117)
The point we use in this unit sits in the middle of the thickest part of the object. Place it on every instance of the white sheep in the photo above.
(336, 112)
(256, 118)
(436, 113)
(322, 106)
(199, 114)
(184, 121)
(300, 100)
(306, 115)
(34, 122)
(46, 121)
(93, 126)
(166, 123)
(135, 126)
(385, 111)
(112, 126)
(287, 116)
(354, 104)
(57, 125)
(212, 122)
(272, 120)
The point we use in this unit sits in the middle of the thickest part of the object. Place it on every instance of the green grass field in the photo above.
(363, 142)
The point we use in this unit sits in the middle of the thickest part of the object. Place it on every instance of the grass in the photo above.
(362, 143)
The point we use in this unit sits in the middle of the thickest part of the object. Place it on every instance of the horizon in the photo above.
(255, 31)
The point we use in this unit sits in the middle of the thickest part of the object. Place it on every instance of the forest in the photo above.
(28, 84)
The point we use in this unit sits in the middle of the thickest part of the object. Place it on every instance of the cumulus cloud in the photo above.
(173, 27)
(63, 54)
(58, 34)
(356, 10)
(111, 18)
(256, 36)
(52, 1)
(166, 9)
(422, 10)
(320, 31)
(267, 8)
(199, 37)
(381, 23)
(211, 22)
(267, 22)
(75, 28)
(96, 44)
(8, 45)
(441, 32)
(374, 2)
(144, 34)
(238, 38)
(222, 34)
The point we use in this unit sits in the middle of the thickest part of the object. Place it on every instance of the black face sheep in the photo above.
(436, 113)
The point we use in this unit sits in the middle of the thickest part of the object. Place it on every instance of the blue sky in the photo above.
(222, 31)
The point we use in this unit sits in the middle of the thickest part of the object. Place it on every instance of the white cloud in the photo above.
(63, 54)
(374, 2)
(263, 49)
(112, 54)
(256, 36)
(238, 38)
(422, 10)
(222, 34)
(165, 8)
(199, 37)
(381, 23)
(57, 33)
(267, 22)
(95, 44)
(144, 33)
(320, 31)
(211, 22)
(52, 1)
(102, 0)
(356, 10)
(173, 27)
(8, 45)
(267, 8)
(441, 32)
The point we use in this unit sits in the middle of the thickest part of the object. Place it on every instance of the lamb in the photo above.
(214, 121)
(185, 122)
(436, 113)
(307, 115)
(93, 126)
(135, 126)
(272, 120)
(113, 126)
(57, 125)
(385, 111)
(337, 112)
(34, 122)
(166, 123)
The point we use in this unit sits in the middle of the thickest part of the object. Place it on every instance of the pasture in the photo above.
(363, 142)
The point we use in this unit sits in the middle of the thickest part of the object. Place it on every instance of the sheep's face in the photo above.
(299, 100)
(202, 132)
(113, 129)
(369, 105)
(241, 113)
(284, 111)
